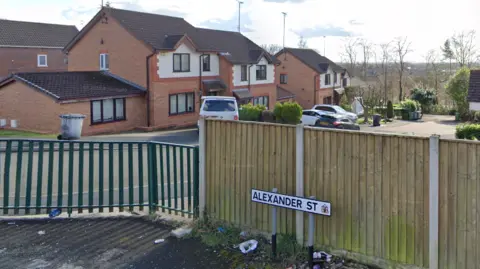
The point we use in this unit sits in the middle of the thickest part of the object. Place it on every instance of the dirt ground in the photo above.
(99, 243)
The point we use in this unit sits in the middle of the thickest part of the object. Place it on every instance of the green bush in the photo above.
(288, 112)
(409, 105)
(390, 113)
(268, 116)
(441, 110)
(251, 112)
(468, 131)
(426, 98)
(476, 116)
(345, 104)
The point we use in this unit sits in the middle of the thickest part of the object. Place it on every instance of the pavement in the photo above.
(119, 242)
(427, 126)
(185, 136)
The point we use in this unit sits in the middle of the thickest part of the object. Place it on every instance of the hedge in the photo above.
(249, 112)
(468, 131)
(288, 112)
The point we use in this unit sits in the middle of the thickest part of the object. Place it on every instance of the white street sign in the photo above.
(291, 202)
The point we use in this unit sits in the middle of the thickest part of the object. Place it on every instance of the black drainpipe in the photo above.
(200, 70)
(148, 86)
(249, 76)
(315, 89)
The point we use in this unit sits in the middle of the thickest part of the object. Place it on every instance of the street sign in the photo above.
(291, 202)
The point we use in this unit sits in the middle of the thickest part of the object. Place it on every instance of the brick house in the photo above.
(36, 100)
(176, 62)
(312, 78)
(33, 47)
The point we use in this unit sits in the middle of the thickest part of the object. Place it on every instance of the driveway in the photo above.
(186, 136)
(427, 126)
(126, 242)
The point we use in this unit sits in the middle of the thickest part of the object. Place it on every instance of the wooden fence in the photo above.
(241, 156)
(378, 186)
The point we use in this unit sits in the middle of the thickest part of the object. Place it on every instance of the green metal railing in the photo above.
(37, 176)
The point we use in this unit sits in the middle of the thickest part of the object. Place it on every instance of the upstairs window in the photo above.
(42, 60)
(345, 82)
(181, 62)
(104, 61)
(261, 72)
(243, 71)
(283, 79)
(334, 77)
(206, 63)
(327, 79)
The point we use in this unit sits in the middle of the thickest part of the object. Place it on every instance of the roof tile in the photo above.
(313, 59)
(33, 34)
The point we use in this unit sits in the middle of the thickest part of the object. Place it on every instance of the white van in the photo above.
(219, 107)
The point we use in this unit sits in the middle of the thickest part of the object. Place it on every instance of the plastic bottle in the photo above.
(54, 213)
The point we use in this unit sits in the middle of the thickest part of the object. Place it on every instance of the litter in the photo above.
(220, 229)
(11, 223)
(243, 234)
(248, 246)
(159, 241)
(322, 255)
(41, 232)
(54, 213)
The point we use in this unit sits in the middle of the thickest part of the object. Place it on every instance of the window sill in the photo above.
(42, 65)
(181, 71)
(106, 122)
(179, 114)
(283, 83)
(207, 70)
(262, 79)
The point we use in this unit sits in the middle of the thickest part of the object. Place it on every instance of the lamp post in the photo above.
(239, 7)
(284, 17)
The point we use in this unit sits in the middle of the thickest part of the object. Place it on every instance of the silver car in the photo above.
(337, 110)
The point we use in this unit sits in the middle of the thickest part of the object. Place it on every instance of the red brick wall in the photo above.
(127, 55)
(36, 111)
(300, 81)
(25, 60)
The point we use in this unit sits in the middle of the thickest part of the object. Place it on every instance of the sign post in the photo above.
(309, 205)
(274, 228)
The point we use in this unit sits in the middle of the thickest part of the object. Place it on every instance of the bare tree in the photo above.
(349, 54)
(447, 53)
(272, 48)
(433, 62)
(401, 48)
(464, 51)
(302, 43)
(367, 53)
(385, 59)
(369, 97)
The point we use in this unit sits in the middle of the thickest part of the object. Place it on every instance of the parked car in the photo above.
(311, 116)
(337, 110)
(336, 121)
(219, 107)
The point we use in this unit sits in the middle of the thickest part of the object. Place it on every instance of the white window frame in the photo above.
(38, 60)
(106, 61)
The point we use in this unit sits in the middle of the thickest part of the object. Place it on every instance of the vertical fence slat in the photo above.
(6, 177)
(162, 178)
(51, 147)
(189, 179)
(195, 181)
(71, 148)
(18, 180)
(100, 176)
(111, 183)
(80, 176)
(154, 169)
(175, 178)
(60, 175)
(140, 175)
(91, 171)
(169, 186)
(28, 194)
(130, 176)
(38, 202)
(150, 176)
(182, 182)
(120, 176)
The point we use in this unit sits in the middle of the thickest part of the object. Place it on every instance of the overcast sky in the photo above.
(427, 23)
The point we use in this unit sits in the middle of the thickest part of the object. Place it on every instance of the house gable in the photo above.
(126, 54)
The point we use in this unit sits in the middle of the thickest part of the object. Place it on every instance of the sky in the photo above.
(426, 23)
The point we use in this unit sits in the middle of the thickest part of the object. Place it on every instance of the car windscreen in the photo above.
(219, 106)
(340, 109)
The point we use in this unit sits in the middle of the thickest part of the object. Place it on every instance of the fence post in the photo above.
(299, 181)
(201, 163)
(433, 202)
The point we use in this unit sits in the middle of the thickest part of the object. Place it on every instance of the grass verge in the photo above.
(25, 134)
(225, 239)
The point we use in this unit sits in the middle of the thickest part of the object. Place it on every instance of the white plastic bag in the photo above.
(248, 246)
